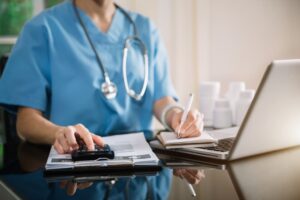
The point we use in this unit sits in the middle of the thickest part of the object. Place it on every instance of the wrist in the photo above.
(57, 130)
(168, 113)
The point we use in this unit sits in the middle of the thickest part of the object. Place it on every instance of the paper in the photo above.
(225, 133)
(130, 149)
(170, 138)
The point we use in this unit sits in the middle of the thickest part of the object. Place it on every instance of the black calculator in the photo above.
(99, 153)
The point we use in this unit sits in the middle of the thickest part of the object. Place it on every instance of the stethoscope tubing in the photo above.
(108, 88)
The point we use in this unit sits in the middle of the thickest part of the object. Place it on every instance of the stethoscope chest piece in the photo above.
(109, 90)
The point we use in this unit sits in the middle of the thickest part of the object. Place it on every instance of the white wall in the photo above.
(223, 40)
(245, 36)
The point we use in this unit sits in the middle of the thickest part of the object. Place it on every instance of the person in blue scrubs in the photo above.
(52, 80)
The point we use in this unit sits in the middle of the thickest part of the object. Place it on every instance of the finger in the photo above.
(71, 188)
(85, 185)
(85, 135)
(199, 174)
(58, 147)
(193, 131)
(70, 136)
(201, 126)
(177, 172)
(63, 142)
(195, 128)
(200, 121)
(191, 179)
(191, 119)
(98, 140)
(63, 184)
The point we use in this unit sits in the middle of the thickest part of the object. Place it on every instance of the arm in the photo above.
(192, 127)
(32, 126)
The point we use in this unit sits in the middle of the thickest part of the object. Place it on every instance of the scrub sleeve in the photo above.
(25, 80)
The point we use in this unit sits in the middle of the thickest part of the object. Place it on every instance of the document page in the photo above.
(132, 147)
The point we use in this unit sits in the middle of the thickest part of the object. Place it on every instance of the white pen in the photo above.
(191, 188)
(185, 113)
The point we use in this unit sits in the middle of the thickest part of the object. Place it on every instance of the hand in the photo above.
(193, 176)
(65, 140)
(71, 187)
(192, 127)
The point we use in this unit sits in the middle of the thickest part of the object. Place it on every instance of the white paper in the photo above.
(225, 133)
(170, 138)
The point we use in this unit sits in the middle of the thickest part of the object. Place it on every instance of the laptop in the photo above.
(271, 123)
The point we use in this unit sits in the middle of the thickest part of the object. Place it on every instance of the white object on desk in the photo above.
(222, 114)
(242, 105)
(209, 92)
(232, 95)
(169, 138)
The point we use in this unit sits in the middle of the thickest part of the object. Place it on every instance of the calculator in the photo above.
(99, 153)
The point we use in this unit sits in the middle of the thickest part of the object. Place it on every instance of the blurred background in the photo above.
(207, 40)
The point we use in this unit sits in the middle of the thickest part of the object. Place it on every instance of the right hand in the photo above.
(193, 176)
(65, 140)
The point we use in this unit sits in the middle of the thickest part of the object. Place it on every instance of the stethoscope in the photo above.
(108, 88)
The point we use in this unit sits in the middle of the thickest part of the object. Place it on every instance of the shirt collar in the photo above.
(115, 33)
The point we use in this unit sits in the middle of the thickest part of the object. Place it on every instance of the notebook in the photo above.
(170, 140)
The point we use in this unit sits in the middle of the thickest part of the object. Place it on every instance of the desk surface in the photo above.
(269, 176)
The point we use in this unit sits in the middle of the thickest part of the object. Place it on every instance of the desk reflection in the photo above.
(270, 176)
(27, 180)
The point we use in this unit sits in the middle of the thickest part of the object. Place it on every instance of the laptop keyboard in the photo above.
(223, 145)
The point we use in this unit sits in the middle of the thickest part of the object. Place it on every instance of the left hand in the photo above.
(192, 127)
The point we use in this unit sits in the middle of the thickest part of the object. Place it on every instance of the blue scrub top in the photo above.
(52, 68)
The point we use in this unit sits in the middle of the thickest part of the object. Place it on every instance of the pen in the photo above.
(185, 113)
(191, 188)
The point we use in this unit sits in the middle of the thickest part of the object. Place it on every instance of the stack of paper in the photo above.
(170, 141)
(130, 149)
